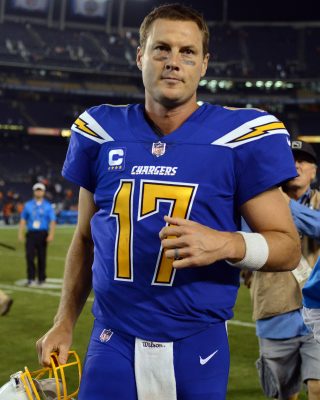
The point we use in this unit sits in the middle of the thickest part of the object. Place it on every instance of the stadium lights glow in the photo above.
(10, 127)
(229, 85)
(278, 84)
(65, 132)
(212, 83)
(38, 130)
(309, 138)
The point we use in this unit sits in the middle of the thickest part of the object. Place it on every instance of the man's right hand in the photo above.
(58, 339)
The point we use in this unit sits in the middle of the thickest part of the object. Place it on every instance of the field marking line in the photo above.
(34, 290)
(241, 323)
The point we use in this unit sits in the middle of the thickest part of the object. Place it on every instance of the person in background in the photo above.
(8, 208)
(1, 204)
(289, 354)
(311, 301)
(5, 300)
(5, 303)
(38, 218)
(304, 200)
(162, 188)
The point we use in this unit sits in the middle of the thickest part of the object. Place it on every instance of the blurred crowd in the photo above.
(12, 200)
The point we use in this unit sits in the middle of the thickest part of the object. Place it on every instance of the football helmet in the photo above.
(48, 383)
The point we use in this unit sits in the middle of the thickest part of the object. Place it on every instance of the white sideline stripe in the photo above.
(50, 283)
(240, 323)
(34, 290)
(58, 294)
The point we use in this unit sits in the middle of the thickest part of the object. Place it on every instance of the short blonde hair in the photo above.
(175, 12)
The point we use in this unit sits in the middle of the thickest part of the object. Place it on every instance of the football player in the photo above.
(163, 186)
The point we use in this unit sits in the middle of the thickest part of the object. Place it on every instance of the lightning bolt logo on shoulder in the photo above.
(255, 129)
(83, 126)
(260, 130)
(87, 126)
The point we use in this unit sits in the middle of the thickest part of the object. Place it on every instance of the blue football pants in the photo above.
(201, 365)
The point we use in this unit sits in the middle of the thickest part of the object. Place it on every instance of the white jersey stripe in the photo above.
(91, 124)
(236, 144)
(229, 139)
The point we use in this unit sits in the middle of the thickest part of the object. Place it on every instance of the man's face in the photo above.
(172, 62)
(38, 194)
(307, 172)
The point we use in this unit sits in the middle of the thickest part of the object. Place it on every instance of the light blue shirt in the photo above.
(307, 220)
(38, 215)
(283, 326)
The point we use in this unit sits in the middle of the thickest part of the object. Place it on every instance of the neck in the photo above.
(296, 193)
(169, 119)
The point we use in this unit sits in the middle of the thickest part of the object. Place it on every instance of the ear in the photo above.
(139, 58)
(205, 65)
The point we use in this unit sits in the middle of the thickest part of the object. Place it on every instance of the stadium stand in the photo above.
(312, 51)
(50, 72)
(272, 51)
(266, 51)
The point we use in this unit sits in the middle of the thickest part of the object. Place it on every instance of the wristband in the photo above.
(257, 251)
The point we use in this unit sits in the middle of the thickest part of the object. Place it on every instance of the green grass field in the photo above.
(33, 310)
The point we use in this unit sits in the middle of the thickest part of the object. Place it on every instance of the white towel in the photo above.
(154, 370)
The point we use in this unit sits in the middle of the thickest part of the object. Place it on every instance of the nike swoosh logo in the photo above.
(205, 360)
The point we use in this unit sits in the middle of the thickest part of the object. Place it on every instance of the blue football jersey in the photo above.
(203, 171)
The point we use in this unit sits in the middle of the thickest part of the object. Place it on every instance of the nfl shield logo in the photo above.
(105, 335)
(158, 149)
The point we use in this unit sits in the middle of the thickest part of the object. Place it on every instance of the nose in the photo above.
(172, 67)
(172, 62)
